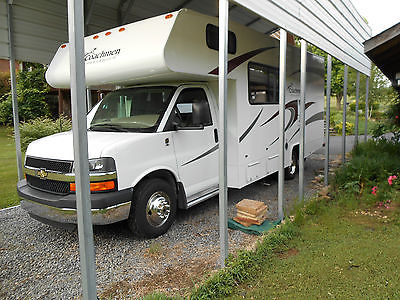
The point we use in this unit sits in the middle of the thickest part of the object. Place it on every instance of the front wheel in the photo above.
(153, 209)
(291, 170)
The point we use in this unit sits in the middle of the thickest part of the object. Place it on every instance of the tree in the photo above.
(337, 74)
(380, 90)
(31, 90)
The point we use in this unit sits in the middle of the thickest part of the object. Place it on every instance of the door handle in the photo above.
(216, 135)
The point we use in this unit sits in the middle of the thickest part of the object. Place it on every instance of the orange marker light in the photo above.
(121, 29)
(63, 46)
(169, 16)
(108, 32)
(96, 186)
(95, 37)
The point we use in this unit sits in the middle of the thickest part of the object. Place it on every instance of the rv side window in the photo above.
(192, 109)
(263, 84)
(212, 37)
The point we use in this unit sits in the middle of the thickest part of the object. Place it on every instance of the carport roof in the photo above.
(384, 50)
(335, 26)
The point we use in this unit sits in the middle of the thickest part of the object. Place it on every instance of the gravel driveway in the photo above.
(40, 261)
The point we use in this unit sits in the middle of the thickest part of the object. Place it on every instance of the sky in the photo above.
(380, 14)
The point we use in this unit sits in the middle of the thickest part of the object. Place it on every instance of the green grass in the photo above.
(338, 254)
(8, 169)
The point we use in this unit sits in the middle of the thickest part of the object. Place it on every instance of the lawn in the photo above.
(8, 169)
(344, 253)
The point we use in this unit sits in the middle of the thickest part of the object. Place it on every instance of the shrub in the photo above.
(31, 91)
(31, 105)
(371, 162)
(339, 127)
(4, 83)
(41, 127)
(372, 107)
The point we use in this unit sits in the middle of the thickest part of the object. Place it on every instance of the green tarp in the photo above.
(253, 229)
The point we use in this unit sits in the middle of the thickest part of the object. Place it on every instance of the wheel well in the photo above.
(162, 174)
(296, 149)
(169, 177)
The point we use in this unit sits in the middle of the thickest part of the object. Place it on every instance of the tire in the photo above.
(153, 208)
(292, 169)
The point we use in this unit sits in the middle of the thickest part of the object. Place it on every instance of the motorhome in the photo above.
(153, 140)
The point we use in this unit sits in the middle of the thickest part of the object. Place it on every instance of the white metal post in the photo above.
(223, 189)
(14, 92)
(357, 101)
(344, 114)
(328, 117)
(303, 80)
(89, 99)
(79, 130)
(282, 88)
(366, 110)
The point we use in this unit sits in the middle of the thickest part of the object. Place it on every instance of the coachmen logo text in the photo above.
(104, 54)
(42, 173)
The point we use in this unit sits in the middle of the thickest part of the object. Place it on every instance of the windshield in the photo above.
(132, 109)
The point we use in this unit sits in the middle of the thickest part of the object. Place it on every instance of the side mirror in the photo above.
(175, 125)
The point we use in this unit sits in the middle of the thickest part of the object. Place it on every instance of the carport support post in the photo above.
(14, 91)
(357, 101)
(344, 114)
(303, 80)
(223, 189)
(89, 99)
(366, 110)
(78, 106)
(328, 117)
(282, 88)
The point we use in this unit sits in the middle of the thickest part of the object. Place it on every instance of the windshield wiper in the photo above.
(108, 127)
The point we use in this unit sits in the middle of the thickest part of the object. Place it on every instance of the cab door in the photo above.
(195, 140)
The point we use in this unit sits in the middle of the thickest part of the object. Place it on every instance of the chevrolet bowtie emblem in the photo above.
(42, 173)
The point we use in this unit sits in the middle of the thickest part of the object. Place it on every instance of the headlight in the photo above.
(100, 165)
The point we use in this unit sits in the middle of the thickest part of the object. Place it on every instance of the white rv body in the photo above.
(172, 50)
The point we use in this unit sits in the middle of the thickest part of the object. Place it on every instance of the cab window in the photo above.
(191, 109)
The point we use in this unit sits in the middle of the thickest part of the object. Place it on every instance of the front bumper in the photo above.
(107, 207)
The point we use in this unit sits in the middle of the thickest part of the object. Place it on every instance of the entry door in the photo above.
(195, 140)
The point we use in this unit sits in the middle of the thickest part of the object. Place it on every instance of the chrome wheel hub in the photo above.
(292, 167)
(158, 209)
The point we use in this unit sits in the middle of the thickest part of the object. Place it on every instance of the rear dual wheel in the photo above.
(153, 209)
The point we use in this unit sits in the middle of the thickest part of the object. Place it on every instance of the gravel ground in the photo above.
(40, 261)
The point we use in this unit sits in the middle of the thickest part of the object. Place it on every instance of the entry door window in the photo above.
(192, 108)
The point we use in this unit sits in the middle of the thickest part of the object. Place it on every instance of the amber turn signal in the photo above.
(96, 186)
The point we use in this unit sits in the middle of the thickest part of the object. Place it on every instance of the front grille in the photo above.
(48, 185)
(48, 164)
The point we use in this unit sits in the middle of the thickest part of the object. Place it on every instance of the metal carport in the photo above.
(35, 29)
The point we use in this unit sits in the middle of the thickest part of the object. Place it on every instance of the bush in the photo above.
(371, 162)
(31, 105)
(4, 83)
(31, 91)
(379, 129)
(339, 127)
(41, 127)
(372, 107)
